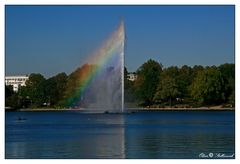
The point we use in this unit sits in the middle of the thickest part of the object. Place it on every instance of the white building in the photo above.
(16, 81)
(132, 76)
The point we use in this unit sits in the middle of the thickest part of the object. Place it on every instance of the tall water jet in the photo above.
(101, 86)
(122, 61)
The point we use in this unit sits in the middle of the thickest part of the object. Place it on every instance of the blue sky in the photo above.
(54, 39)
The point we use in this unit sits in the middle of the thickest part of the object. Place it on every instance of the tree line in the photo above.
(184, 86)
(155, 86)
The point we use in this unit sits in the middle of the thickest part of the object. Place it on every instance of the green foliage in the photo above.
(13, 102)
(172, 71)
(8, 91)
(75, 82)
(184, 80)
(10, 97)
(167, 89)
(208, 86)
(72, 84)
(129, 96)
(148, 76)
(228, 73)
(196, 69)
(196, 85)
(35, 89)
(231, 98)
(125, 73)
(55, 88)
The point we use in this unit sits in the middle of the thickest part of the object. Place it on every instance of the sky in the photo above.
(54, 39)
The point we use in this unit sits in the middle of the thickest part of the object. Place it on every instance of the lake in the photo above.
(148, 135)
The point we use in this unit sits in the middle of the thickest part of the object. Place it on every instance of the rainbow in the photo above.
(111, 51)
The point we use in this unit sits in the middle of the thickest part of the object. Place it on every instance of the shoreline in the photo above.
(127, 109)
(190, 109)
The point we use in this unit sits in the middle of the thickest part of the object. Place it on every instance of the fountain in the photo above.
(104, 88)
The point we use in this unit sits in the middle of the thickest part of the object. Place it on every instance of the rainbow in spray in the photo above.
(100, 84)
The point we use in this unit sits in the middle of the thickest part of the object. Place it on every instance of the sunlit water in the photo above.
(162, 134)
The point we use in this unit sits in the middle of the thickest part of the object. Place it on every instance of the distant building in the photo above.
(132, 76)
(16, 81)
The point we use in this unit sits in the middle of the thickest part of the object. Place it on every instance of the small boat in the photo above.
(21, 119)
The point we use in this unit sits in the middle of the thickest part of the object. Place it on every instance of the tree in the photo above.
(8, 91)
(11, 99)
(228, 72)
(128, 88)
(75, 83)
(167, 89)
(182, 76)
(148, 76)
(172, 71)
(184, 80)
(127, 83)
(34, 90)
(196, 69)
(208, 86)
(54, 89)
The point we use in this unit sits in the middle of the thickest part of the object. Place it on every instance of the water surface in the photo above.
(161, 134)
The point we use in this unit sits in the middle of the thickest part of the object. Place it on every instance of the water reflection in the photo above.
(179, 135)
(68, 136)
(139, 135)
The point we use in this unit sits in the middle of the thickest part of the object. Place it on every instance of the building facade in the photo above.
(132, 76)
(16, 81)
